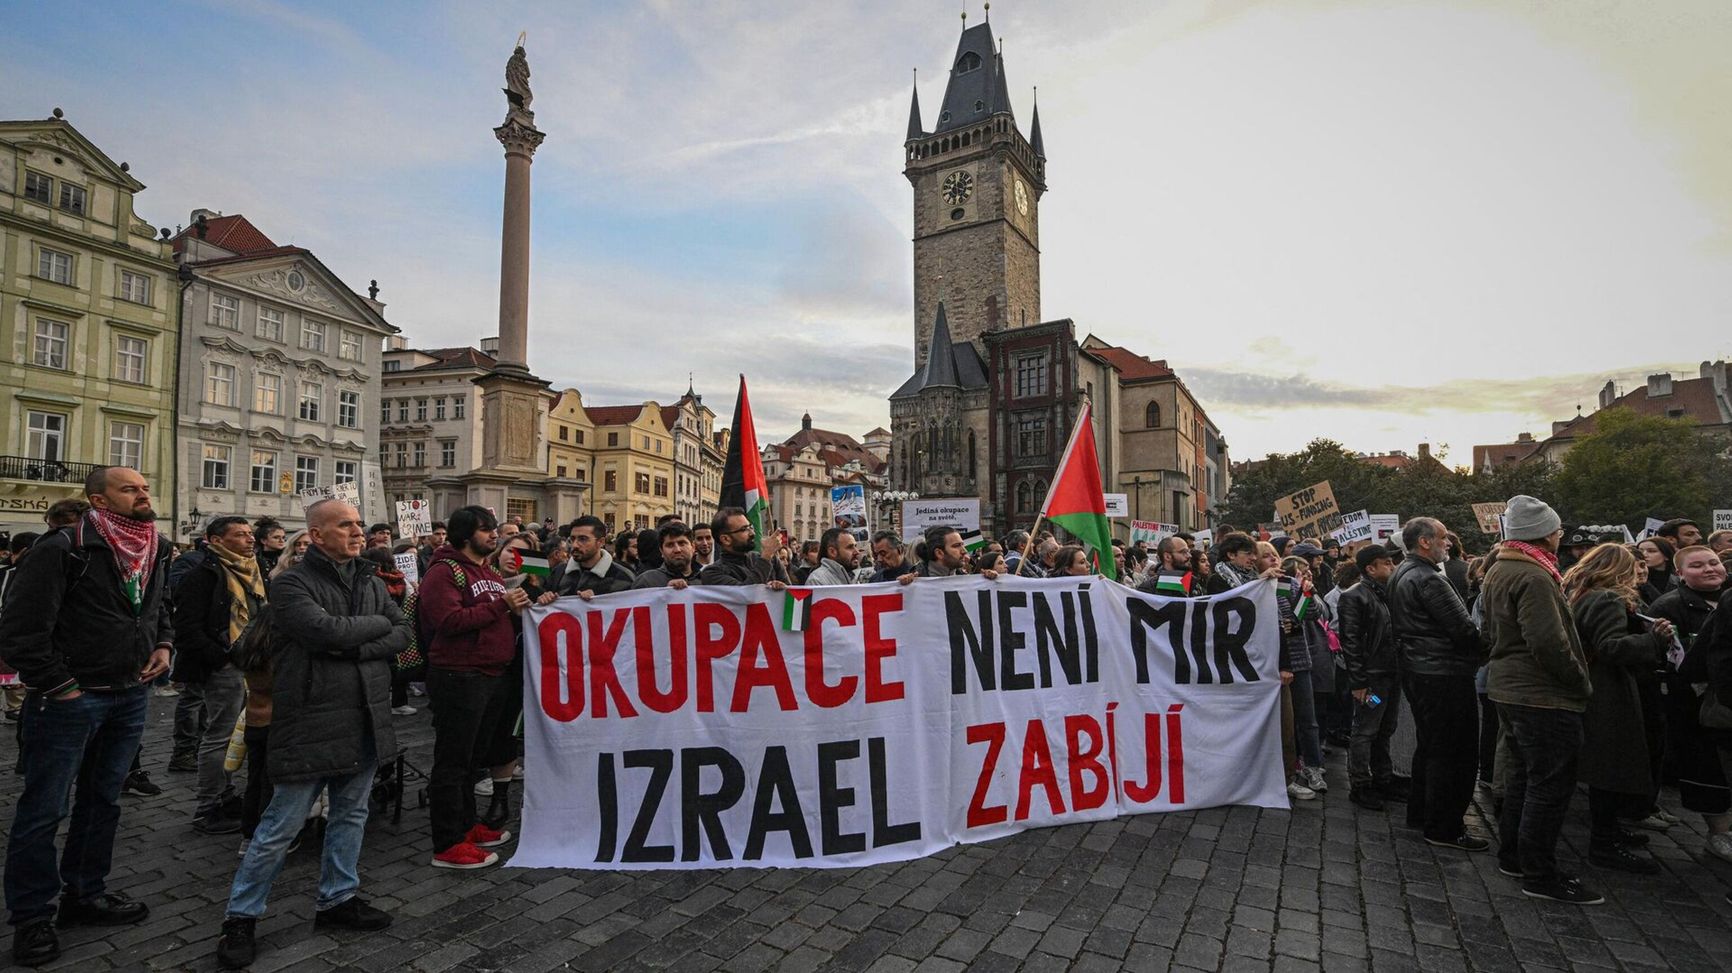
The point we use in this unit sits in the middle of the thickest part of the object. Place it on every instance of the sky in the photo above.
(1382, 222)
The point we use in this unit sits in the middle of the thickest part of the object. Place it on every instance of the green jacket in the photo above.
(1536, 656)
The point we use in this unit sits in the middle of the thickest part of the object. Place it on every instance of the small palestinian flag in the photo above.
(1174, 584)
(797, 609)
(1306, 605)
(974, 540)
(531, 565)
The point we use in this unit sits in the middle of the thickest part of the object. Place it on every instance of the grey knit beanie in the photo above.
(1529, 519)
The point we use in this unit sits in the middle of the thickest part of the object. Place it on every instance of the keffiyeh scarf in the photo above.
(133, 543)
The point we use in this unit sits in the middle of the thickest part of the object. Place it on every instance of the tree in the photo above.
(1252, 499)
(1632, 467)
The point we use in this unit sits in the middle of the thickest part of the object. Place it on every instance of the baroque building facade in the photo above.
(279, 379)
(88, 324)
(429, 417)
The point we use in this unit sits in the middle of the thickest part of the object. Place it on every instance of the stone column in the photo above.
(520, 138)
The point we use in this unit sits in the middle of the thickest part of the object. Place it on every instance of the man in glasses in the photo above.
(737, 560)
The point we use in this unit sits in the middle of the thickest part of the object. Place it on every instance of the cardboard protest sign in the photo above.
(414, 518)
(850, 725)
(1490, 517)
(1308, 512)
(1118, 504)
(349, 493)
(962, 513)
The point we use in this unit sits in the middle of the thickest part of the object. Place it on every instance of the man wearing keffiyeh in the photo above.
(97, 633)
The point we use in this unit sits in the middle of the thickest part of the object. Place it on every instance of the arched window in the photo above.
(967, 62)
(1024, 498)
(1153, 417)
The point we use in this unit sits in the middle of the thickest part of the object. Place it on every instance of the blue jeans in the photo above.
(91, 742)
(1309, 744)
(339, 876)
(1540, 783)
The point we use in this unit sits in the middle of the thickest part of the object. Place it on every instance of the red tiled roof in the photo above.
(613, 415)
(455, 358)
(670, 416)
(233, 233)
(1497, 454)
(1693, 396)
(1132, 366)
(253, 255)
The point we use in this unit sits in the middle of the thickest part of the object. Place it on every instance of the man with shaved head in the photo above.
(335, 630)
(97, 632)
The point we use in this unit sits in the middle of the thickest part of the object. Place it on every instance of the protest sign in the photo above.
(1205, 537)
(1149, 533)
(414, 518)
(1385, 526)
(1355, 527)
(848, 508)
(852, 725)
(1490, 517)
(1310, 512)
(962, 513)
(1723, 520)
(1118, 504)
(409, 565)
(349, 493)
(1650, 528)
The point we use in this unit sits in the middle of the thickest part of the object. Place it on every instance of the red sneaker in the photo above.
(464, 855)
(481, 836)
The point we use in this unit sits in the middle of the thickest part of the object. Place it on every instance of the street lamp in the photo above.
(194, 520)
(891, 499)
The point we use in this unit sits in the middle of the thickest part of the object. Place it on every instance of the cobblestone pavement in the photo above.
(1325, 886)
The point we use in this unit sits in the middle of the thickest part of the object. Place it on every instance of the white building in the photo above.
(429, 417)
(279, 376)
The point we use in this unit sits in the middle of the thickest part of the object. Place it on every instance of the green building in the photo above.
(88, 324)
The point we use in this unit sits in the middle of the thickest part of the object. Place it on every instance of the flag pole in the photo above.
(1028, 544)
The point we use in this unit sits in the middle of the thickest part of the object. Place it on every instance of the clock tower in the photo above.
(977, 188)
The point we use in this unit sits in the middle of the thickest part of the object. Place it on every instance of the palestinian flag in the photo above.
(1174, 584)
(1305, 604)
(974, 540)
(1076, 502)
(743, 483)
(536, 567)
(797, 609)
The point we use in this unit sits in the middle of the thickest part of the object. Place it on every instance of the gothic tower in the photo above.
(977, 187)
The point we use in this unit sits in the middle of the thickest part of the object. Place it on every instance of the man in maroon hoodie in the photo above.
(465, 619)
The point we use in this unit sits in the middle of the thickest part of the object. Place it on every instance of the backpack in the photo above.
(412, 657)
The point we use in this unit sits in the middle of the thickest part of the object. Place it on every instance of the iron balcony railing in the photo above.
(47, 470)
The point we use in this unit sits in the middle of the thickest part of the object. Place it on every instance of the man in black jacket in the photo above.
(1440, 652)
(1373, 676)
(211, 606)
(97, 632)
(592, 570)
(737, 561)
(676, 570)
(334, 631)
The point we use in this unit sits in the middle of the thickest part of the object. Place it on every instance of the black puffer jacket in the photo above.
(86, 634)
(1431, 625)
(201, 622)
(741, 569)
(1367, 642)
(333, 642)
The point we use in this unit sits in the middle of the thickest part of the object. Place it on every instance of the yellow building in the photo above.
(624, 452)
(87, 315)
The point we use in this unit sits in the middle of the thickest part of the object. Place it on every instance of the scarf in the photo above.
(246, 586)
(133, 544)
(395, 585)
(1546, 558)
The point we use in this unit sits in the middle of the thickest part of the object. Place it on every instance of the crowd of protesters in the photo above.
(1550, 662)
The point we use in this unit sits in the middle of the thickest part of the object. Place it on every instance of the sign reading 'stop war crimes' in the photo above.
(843, 726)
(1311, 512)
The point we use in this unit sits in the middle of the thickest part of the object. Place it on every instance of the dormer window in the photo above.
(944, 116)
(968, 62)
(980, 106)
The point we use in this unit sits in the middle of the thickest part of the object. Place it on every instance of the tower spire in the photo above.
(1034, 140)
(915, 130)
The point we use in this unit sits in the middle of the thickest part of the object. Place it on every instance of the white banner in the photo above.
(1150, 532)
(851, 725)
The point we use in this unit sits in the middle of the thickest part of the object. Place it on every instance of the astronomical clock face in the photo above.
(1021, 198)
(958, 186)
